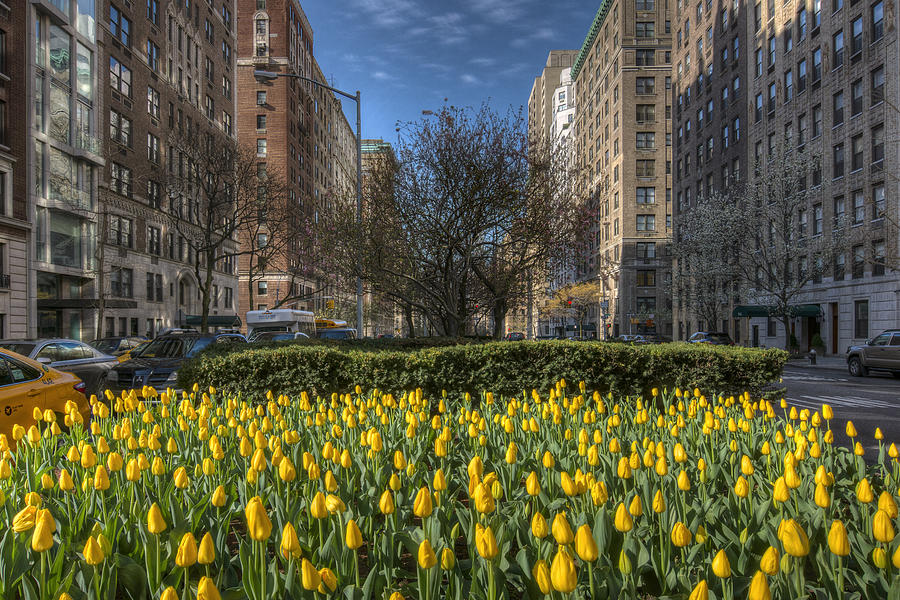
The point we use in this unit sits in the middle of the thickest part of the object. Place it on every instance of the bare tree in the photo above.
(218, 193)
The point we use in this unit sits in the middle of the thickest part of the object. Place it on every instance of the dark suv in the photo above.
(158, 362)
(881, 353)
(714, 338)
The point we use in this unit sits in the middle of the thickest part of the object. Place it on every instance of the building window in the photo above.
(119, 77)
(772, 51)
(837, 113)
(817, 120)
(838, 211)
(861, 319)
(645, 58)
(837, 162)
(856, 41)
(645, 85)
(119, 26)
(877, 21)
(788, 85)
(859, 261)
(261, 99)
(646, 222)
(878, 258)
(261, 147)
(856, 97)
(153, 11)
(226, 53)
(121, 282)
(878, 201)
(859, 207)
(153, 102)
(817, 219)
(645, 29)
(801, 76)
(759, 62)
(817, 65)
(646, 279)
(260, 122)
(121, 231)
(646, 195)
(153, 148)
(839, 267)
(646, 140)
(226, 123)
(646, 249)
(210, 108)
(877, 85)
(120, 179)
(153, 55)
(645, 5)
(262, 288)
(645, 168)
(119, 128)
(856, 152)
(646, 113)
(154, 239)
(837, 50)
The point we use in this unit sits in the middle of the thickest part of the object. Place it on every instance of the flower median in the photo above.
(564, 493)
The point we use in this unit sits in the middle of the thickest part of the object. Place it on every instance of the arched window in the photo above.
(261, 33)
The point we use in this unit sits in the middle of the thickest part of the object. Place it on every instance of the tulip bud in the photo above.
(585, 546)
(882, 527)
(721, 566)
(623, 521)
(681, 535)
(353, 537)
(448, 559)
(426, 557)
(562, 572)
(309, 576)
(541, 574)
(700, 592)
(386, 503)
(186, 556)
(561, 529)
(290, 544)
(206, 554)
(486, 543)
(155, 522)
(759, 588)
(93, 553)
(838, 542)
(258, 523)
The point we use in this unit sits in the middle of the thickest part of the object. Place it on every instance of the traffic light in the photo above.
(329, 304)
(570, 302)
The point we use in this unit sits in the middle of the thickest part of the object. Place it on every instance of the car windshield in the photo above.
(167, 348)
(23, 348)
(107, 346)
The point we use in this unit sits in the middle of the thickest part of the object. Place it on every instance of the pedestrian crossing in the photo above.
(816, 402)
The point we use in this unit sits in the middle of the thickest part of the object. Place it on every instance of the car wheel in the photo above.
(856, 368)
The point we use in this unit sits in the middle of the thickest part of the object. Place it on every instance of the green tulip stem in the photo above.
(591, 580)
(185, 590)
(492, 593)
(97, 582)
(356, 566)
(262, 568)
(43, 574)
(321, 535)
(156, 565)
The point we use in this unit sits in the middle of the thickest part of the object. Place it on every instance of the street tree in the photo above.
(466, 207)
(575, 301)
(217, 194)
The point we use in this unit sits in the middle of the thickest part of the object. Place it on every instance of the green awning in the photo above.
(214, 320)
(800, 310)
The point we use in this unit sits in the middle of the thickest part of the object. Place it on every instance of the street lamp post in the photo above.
(268, 76)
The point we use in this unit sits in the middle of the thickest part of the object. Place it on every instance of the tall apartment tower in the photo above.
(299, 130)
(15, 143)
(816, 74)
(168, 72)
(623, 130)
(541, 113)
(711, 126)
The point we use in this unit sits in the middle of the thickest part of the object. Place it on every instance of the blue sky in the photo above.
(406, 56)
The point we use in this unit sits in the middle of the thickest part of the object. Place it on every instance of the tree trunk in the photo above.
(787, 332)
(204, 295)
(499, 311)
(410, 322)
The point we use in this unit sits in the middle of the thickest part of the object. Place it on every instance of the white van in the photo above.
(281, 319)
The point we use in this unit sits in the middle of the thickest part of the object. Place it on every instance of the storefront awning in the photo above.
(214, 320)
(799, 310)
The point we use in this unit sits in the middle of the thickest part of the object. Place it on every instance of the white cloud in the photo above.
(500, 11)
(470, 79)
(483, 61)
(383, 76)
(389, 13)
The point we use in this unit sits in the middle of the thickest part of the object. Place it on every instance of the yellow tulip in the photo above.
(781, 493)
(623, 521)
(483, 497)
(681, 535)
(659, 502)
(864, 492)
(317, 507)
(168, 594)
(386, 503)
(562, 572)
(186, 556)
(206, 554)
(585, 546)
(426, 556)
(532, 485)
(561, 530)
(821, 496)
(93, 553)
(684, 482)
(700, 592)
(769, 561)
(353, 537)
(838, 542)
(218, 497)
(42, 538)
(741, 487)
(887, 504)
(259, 525)
(879, 557)
(759, 588)
(721, 566)
(636, 508)
(882, 527)
(156, 524)
(624, 563)
(541, 574)
(539, 526)
(448, 559)
(309, 576)
(486, 544)
(895, 558)
(794, 539)
(851, 430)
(329, 580)
(290, 544)
(24, 519)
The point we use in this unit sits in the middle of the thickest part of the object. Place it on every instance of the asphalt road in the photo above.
(870, 402)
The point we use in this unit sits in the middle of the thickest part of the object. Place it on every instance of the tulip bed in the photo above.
(561, 493)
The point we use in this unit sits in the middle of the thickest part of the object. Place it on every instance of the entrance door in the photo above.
(812, 330)
(834, 328)
(756, 336)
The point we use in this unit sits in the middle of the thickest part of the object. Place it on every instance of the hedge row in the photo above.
(502, 367)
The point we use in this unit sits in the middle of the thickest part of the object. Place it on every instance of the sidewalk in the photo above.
(822, 362)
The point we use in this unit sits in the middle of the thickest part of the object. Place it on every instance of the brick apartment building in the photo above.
(14, 142)
(622, 77)
(816, 74)
(300, 131)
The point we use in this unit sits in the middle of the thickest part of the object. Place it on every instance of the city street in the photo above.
(870, 402)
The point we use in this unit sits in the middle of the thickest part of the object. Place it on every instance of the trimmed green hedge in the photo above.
(501, 367)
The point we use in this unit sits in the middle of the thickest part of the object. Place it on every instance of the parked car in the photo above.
(881, 353)
(717, 338)
(336, 333)
(26, 384)
(514, 336)
(277, 336)
(71, 356)
(117, 346)
(128, 355)
(656, 338)
(157, 364)
(631, 338)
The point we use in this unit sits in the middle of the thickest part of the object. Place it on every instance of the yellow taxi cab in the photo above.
(323, 323)
(136, 351)
(26, 384)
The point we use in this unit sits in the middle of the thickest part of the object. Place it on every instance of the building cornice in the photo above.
(591, 36)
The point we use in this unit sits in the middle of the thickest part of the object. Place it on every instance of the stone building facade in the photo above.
(622, 78)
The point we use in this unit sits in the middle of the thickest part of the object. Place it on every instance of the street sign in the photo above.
(604, 305)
